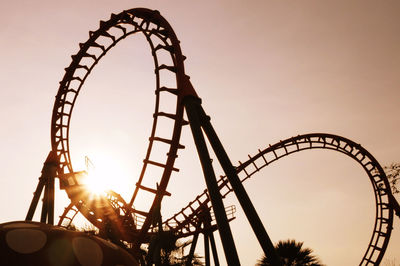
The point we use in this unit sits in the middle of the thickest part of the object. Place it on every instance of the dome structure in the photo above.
(33, 243)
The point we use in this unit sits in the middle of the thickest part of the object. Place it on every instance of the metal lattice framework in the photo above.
(118, 220)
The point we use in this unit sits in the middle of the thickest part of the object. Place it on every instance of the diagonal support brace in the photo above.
(235, 182)
(191, 104)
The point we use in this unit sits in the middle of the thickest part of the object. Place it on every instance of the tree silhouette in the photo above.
(176, 257)
(292, 253)
(166, 250)
(393, 174)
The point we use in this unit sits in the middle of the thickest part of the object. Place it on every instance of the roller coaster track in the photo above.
(185, 221)
(117, 219)
(162, 40)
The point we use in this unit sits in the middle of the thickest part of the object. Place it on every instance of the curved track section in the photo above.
(185, 222)
(170, 79)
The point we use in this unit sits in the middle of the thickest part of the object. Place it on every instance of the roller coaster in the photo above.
(122, 224)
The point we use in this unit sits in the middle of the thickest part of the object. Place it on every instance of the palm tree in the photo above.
(292, 253)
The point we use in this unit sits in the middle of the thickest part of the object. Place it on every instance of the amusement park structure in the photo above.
(132, 229)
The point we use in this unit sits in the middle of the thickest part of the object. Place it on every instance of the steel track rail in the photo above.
(161, 38)
(185, 221)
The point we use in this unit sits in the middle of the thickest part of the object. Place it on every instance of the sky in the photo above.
(265, 70)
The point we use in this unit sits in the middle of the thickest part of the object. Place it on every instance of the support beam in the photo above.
(210, 234)
(206, 249)
(192, 249)
(214, 249)
(50, 211)
(45, 205)
(35, 200)
(238, 188)
(46, 182)
(192, 110)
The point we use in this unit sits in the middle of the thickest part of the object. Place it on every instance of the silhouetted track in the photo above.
(116, 218)
(184, 222)
(168, 70)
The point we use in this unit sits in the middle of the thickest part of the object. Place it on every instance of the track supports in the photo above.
(207, 230)
(46, 181)
(206, 249)
(192, 249)
(191, 105)
(209, 239)
(199, 121)
(214, 249)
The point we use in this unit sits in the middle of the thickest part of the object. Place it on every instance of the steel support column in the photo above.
(192, 249)
(206, 249)
(214, 249)
(35, 200)
(237, 187)
(46, 181)
(191, 105)
(45, 203)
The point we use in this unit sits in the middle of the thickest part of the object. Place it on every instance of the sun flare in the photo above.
(104, 173)
(96, 182)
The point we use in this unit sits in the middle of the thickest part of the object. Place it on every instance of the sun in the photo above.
(104, 173)
(96, 182)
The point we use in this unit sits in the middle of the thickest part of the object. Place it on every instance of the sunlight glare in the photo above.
(105, 173)
(96, 182)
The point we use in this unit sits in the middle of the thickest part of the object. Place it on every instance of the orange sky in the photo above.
(266, 71)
